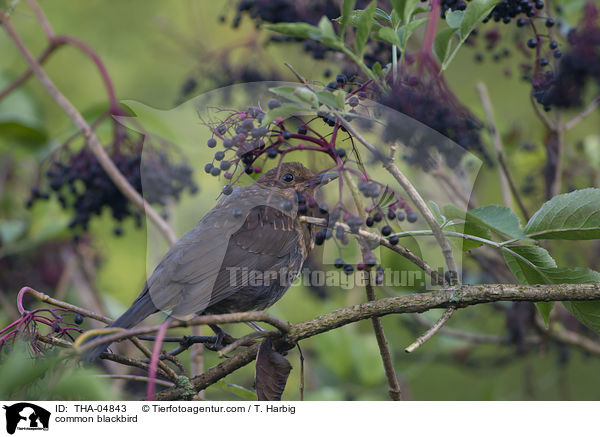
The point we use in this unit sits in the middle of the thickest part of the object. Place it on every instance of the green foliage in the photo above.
(461, 24)
(571, 216)
(49, 378)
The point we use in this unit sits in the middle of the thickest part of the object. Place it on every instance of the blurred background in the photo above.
(163, 54)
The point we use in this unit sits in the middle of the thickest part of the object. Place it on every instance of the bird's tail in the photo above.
(138, 311)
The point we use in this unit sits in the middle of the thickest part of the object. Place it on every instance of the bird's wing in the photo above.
(195, 273)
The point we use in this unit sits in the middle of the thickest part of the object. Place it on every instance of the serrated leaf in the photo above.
(344, 20)
(571, 216)
(405, 31)
(441, 44)
(300, 30)
(388, 35)
(363, 29)
(454, 18)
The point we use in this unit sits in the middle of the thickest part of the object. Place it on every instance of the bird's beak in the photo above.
(325, 178)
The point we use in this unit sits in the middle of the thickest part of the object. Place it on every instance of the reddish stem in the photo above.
(160, 336)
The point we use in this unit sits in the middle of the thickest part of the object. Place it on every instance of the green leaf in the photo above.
(20, 121)
(283, 111)
(364, 27)
(524, 271)
(587, 313)
(497, 218)
(344, 20)
(476, 11)
(306, 96)
(441, 44)
(540, 268)
(571, 216)
(437, 213)
(355, 18)
(388, 35)
(404, 8)
(404, 32)
(377, 69)
(327, 34)
(300, 30)
(330, 99)
(380, 14)
(454, 18)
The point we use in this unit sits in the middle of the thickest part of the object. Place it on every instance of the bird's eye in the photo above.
(288, 177)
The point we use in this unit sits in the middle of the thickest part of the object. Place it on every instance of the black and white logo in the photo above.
(26, 417)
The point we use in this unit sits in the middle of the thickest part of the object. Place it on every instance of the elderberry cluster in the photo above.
(578, 66)
(504, 11)
(82, 186)
(428, 100)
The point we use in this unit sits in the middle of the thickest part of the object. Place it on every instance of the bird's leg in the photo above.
(223, 338)
(255, 326)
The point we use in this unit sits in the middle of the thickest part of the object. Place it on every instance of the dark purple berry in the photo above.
(211, 143)
(215, 171)
(532, 43)
(386, 230)
(348, 269)
(411, 216)
(273, 103)
(394, 240)
(338, 263)
(219, 155)
(208, 167)
(227, 189)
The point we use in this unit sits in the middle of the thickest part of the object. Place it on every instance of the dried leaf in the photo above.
(272, 371)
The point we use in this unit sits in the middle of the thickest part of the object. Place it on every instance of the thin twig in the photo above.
(138, 378)
(419, 262)
(384, 350)
(413, 194)
(583, 114)
(431, 331)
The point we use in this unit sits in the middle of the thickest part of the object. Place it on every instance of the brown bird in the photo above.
(242, 255)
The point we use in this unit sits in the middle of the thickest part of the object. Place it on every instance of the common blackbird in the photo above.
(242, 255)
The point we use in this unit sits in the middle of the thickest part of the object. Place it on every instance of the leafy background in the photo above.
(150, 48)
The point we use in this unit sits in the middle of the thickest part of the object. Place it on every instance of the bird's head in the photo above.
(295, 176)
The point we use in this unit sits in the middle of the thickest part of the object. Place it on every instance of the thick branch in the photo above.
(460, 296)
